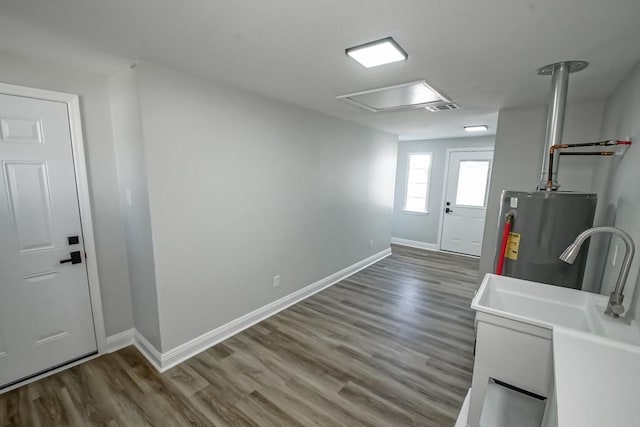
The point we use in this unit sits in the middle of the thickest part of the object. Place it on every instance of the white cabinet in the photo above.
(516, 353)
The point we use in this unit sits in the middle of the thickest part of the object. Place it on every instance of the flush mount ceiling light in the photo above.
(397, 97)
(477, 128)
(379, 52)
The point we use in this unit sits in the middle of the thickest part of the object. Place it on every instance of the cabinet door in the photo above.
(516, 358)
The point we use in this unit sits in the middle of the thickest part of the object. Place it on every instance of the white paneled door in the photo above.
(466, 193)
(45, 308)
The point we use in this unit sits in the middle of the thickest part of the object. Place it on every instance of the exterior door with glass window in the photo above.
(466, 194)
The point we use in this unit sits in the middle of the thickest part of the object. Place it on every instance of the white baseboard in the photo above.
(133, 337)
(415, 244)
(148, 351)
(163, 361)
(177, 355)
(120, 340)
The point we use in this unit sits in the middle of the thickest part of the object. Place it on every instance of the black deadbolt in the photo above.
(73, 240)
(76, 258)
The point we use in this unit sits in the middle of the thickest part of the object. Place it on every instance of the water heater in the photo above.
(536, 227)
(542, 224)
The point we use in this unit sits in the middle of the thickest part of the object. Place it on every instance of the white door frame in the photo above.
(82, 186)
(445, 181)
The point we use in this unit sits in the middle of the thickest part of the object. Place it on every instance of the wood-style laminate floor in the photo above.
(390, 346)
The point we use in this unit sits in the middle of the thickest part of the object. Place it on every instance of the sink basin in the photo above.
(536, 303)
(548, 306)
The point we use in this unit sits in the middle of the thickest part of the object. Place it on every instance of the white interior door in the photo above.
(45, 308)
(466, 193)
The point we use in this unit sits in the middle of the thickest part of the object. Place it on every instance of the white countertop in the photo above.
(597, 380)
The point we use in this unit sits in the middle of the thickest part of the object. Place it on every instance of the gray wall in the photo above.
(518, 159)
(620, 187)
(107, 218)
(127, 132)
(242, 188)
(424, 227)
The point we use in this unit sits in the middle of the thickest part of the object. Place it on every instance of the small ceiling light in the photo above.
(379, 52)
(479, 128)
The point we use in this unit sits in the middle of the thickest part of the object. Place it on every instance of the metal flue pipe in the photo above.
(555, 115)
(555, 118)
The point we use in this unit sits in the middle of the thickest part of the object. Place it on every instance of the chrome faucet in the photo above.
(614, 307)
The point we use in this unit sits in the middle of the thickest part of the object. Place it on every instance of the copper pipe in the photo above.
(588, 153)
(557, 147)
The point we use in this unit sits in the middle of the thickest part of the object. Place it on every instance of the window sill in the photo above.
(415, 212)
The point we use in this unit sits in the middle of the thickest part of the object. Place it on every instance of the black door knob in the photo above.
(447, 210)
(76, 258)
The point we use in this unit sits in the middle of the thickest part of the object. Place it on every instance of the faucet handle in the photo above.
(617, 308)
(614, 306)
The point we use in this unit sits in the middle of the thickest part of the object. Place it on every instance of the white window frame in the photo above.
(425, 211)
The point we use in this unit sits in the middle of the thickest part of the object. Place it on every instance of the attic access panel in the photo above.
(403, 96)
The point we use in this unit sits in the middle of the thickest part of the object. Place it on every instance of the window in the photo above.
(418, 174)
(472, 183)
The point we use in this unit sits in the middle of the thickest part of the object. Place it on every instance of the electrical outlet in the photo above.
(370, 244)
(276, 281)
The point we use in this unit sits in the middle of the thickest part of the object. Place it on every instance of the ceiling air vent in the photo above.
(398, 97)
(443, 107)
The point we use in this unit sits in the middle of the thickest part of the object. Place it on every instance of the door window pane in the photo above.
(472, 182)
